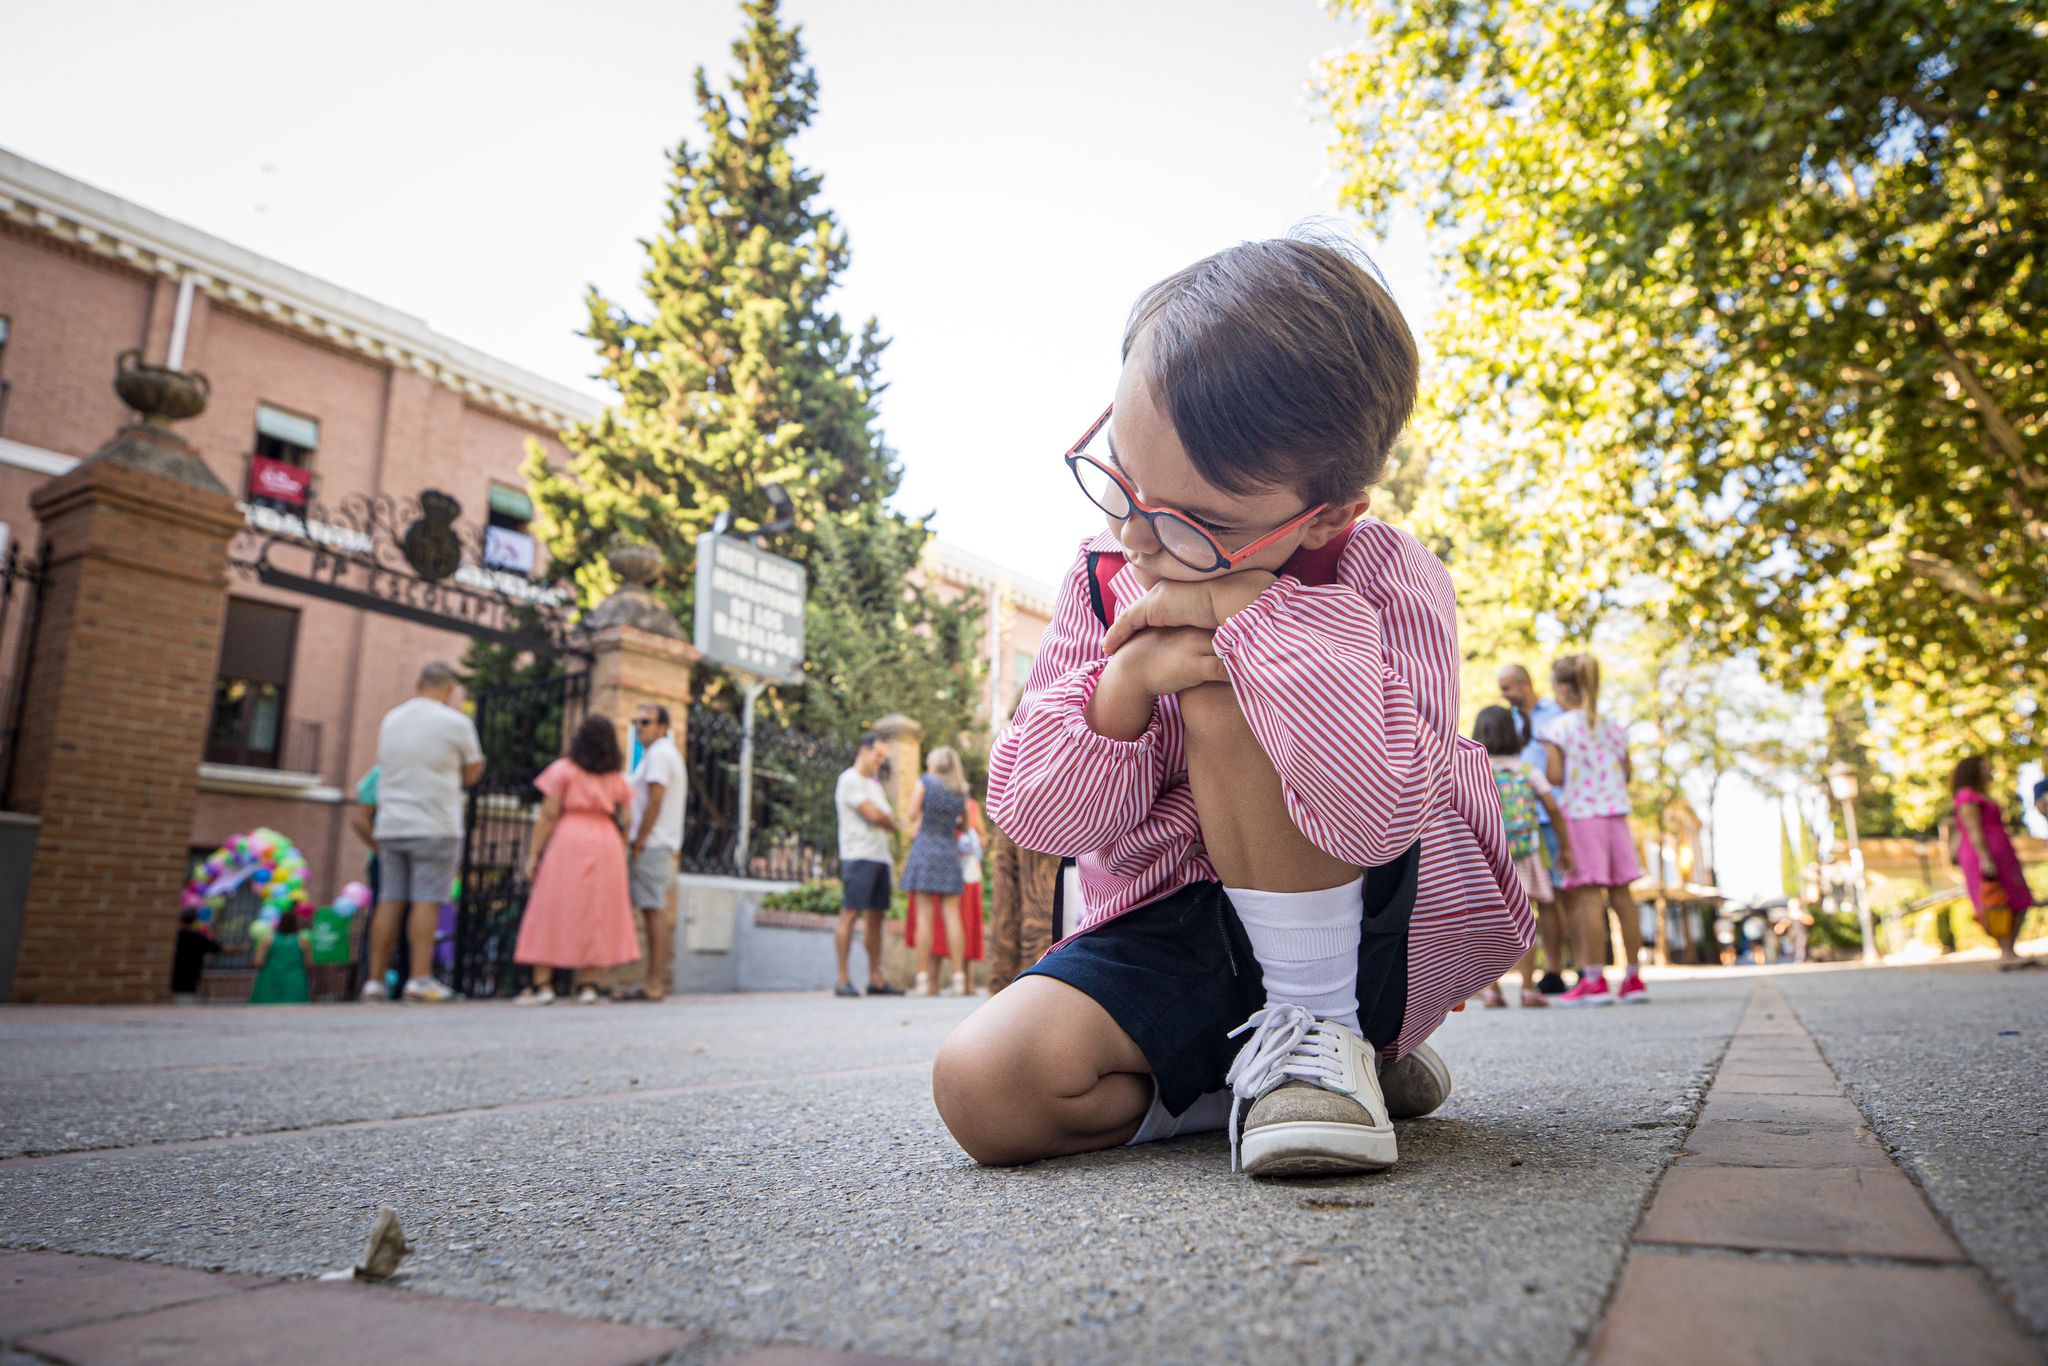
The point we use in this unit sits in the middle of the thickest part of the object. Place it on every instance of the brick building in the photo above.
(318, 394)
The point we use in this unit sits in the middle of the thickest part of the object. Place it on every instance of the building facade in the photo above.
(319, 396)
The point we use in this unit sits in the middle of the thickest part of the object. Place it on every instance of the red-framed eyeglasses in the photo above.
(1178, 533)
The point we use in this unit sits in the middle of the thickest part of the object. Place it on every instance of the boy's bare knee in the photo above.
(979, 1081)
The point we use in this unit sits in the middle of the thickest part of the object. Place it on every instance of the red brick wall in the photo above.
(112, 728)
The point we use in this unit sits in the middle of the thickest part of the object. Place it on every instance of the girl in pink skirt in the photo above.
(1589, 757)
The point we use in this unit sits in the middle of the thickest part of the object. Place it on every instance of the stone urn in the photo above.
(637, 564)
(162, 395)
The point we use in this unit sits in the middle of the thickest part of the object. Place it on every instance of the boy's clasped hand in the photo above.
(1167, 636)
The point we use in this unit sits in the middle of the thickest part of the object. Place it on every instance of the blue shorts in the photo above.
(865, 884)
(1550, 852)
(1178, 974)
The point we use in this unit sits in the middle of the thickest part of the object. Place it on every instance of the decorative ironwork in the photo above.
(523, 728)
(795, 832)
(410, 558)
(24, 574)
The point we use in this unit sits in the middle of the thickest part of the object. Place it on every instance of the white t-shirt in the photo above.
(422, 748)
(857, 838)
(660, 763)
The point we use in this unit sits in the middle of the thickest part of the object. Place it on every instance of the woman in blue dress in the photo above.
(932, 868)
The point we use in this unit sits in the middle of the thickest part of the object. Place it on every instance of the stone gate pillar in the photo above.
(903, 739)
(639, 654)
(116, 705)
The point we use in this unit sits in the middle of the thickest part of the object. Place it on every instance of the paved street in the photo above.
(768, 1169)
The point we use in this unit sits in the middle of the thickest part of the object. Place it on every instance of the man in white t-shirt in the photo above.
(865, 860)
(660, 788)
(427, 753)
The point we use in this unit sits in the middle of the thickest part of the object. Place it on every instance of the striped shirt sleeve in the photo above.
(1352, 691)
(1055, 786)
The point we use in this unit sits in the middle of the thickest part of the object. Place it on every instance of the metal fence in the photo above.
(795, 835)
(523, 729)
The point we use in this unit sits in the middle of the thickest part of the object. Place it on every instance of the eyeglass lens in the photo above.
(1177, 537)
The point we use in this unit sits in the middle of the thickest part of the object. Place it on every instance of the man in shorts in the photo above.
(427, 753)
(865, 858)
(660, 787)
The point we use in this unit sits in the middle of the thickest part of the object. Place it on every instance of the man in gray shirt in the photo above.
(427, 752)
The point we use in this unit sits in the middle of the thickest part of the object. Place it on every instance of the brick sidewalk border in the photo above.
(102, 1311)
(1784, 1232)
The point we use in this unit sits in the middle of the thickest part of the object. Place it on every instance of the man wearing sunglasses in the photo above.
(660, 791)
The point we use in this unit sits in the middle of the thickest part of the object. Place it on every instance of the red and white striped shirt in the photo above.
(1347, 670)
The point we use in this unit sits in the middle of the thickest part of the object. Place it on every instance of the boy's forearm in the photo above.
(1121, 708)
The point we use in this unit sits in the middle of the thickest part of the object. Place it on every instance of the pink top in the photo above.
(1595, 781)
(1347, 670)
(2005, 860)
(583, 793)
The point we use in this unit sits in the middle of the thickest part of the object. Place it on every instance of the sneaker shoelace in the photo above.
(1289, 1042)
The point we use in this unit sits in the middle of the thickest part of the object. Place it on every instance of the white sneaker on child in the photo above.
(426, 989)
(1416, 1084)
(1314, 1090)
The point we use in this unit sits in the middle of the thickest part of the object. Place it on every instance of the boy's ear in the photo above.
(1334, 519)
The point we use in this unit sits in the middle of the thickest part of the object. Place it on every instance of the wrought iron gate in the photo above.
(523, 728)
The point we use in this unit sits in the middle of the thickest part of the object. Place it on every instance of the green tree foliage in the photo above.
(732, 373)
(1748, 297)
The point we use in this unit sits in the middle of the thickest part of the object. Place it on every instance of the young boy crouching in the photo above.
(1243, 725)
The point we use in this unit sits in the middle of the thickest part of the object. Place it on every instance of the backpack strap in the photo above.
(1102, 567)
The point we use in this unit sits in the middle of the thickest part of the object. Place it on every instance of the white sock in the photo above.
(1208, 1114)
(1307, 946)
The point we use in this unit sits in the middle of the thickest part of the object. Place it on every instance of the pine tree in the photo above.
(733, 374)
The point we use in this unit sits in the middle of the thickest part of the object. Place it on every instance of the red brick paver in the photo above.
(92, 1311)
(40, 1291)
(1744, 1254)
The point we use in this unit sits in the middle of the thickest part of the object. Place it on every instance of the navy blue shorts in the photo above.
(1178, 974)
(866, 885)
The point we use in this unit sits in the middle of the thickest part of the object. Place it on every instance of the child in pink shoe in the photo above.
(1588, 755)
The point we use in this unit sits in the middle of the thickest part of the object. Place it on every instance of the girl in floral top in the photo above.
(1589, 757)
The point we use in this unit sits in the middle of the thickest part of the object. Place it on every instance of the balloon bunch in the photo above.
(262, 858)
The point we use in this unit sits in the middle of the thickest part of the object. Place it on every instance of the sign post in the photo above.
(750, 618)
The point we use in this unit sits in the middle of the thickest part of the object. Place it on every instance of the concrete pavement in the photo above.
(768, 1170)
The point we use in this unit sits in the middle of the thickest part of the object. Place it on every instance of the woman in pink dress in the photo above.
(1990, 864)
(580, 911)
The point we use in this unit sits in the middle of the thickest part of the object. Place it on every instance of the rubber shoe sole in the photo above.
(1310, 1148)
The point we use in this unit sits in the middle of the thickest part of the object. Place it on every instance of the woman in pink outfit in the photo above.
(580, 911)
(1990, 865)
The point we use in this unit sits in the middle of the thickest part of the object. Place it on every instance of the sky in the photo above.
(1010, 178)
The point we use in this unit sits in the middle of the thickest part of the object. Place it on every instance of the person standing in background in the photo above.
(865, 863)
(1588, 754)
(1989, 863)
(427, 753)
(660, 793)
(1536, 713)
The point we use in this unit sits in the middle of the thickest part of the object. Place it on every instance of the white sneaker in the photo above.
(536, 996)
(1415, 1085)
(426, 989)
(1314, 1089)
(587, 996)
(373, 991)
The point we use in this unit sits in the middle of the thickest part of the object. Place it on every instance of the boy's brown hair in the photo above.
(1279, 362)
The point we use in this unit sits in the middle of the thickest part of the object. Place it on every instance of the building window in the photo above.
(508, 544)
(281, 467)
(252, 684)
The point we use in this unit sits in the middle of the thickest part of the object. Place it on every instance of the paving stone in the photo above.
(1815, 1112)
(1790, 1082)
(812, 1356)
(40, 1291)
(1707, 1309)
(1753, 1143)
(314, 1324)
(1873, 1212)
